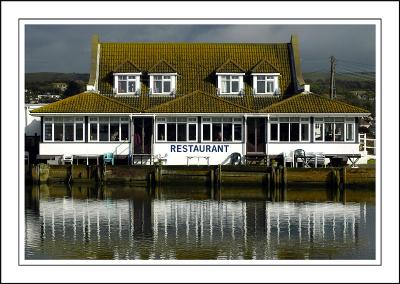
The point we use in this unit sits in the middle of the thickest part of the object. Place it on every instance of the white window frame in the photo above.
(274, 79)
(278, 120)
(136, 79)
(345, 120)
(172, 80)
(75, 120)
(222, 120)
(96, 120)
(240, 84)
(183, 120)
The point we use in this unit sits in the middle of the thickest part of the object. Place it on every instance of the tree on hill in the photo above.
(73, 88)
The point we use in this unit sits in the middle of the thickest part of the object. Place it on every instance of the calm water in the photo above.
(121, 222)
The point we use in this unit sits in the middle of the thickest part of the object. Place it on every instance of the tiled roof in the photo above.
(127, 67)
(264, 67)
(229, 67)
(194, 62)
(311, 103)
(199, 102)
(86, 103)
(162, 67)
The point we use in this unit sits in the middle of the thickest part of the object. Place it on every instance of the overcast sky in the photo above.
(66, 48)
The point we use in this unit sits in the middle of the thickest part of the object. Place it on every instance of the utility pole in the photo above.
(332, 89)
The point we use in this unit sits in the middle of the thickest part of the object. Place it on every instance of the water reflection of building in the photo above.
(141, 228)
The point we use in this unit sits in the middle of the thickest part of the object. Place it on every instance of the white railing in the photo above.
(367, 145)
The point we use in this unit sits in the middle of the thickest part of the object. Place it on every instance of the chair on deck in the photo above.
(288, 159)
(319, 159)
(236, 159)
(108, 158)
(67, 158)
(298, 156)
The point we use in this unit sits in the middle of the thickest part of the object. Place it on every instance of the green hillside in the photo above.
(42, 77)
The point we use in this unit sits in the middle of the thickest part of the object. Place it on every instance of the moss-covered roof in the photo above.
(264, 67)
(196, 63)
(86, 103)
(162, 67)
(229, 66)
(311, 103)
(127, 67)
(199, 102)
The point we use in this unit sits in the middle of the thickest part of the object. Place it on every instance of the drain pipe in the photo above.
(267, 136)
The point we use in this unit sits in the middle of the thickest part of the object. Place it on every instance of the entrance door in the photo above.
(255, 135)
(142, 133)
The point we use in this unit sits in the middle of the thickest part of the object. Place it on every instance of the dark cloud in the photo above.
(66, 48)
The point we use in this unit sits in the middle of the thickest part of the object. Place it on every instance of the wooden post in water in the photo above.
(337, 183)
(344, 184)
(212, 182)
(284, 183)
(219, 176)
(269, 195)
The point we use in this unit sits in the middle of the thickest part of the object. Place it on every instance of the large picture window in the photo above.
(109, 129)
(64, 129)
(334, 129)
(289, 129)
(172, 129)
(225, 129)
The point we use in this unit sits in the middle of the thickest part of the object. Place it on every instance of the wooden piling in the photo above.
(212, 182)
(284, 184)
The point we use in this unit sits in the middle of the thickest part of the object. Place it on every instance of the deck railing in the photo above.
(367, 145)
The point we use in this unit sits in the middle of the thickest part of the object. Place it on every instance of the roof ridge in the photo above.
(194, 93)
(160, 62)
(127, 62)
(230, 61)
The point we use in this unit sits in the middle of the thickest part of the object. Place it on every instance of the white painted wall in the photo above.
(180, 158)
(75, 148)
(32, 123)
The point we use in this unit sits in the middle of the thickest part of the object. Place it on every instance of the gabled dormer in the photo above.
(230, 78)
(162, 78)
(127, 79)
(265, 79)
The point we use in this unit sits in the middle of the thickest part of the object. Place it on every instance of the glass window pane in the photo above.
(304, 132)
(294, 131)
(124, 131)
(274, 132)
(79, 131)
(284, 132)
(131, 86)
(206, 132)
(260, 78)
(192, 132)
(171, 132)
(261, 87)
(121, 86)
(329, 131)
(216, 132)
(69, 131)
(235, 86)
(167, 87)
(235, 77)
(167, 77)
(114, 131)
(93, 131)
(58, 132)
(237, 132)
(103, 131)
(339, 131)
(48, 131)
(349, 132)
(318, 132)
(225, 88)
(158, 77)
(161, 132)
(157, 88)
(227, 131)
(181, 131)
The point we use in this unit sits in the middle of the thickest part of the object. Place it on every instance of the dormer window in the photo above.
(162, 84)
(126, 83)
(230, 78)
(266, 84)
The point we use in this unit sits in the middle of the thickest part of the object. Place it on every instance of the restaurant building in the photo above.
(196, 103)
